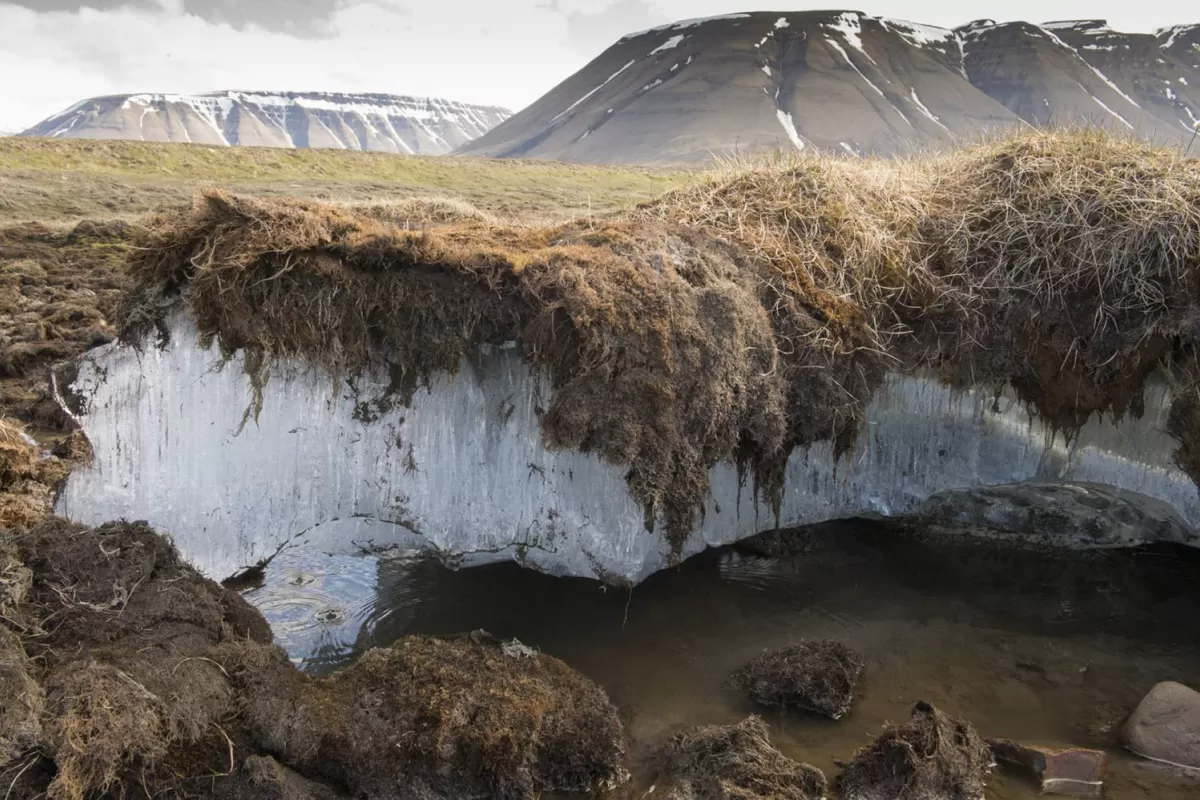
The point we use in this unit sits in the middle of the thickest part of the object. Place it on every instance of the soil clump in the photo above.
(735, 762)
(817, 676)
(933, 756)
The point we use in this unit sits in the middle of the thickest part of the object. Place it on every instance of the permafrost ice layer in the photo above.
(464, 471)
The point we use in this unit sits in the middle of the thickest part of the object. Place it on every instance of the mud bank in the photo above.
(122, 667)
(772, 345)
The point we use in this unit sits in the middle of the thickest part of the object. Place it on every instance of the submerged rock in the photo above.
(1075, 772)
(736, 762)
(1166, 726)
(933, 756)
(1062, 514)
(818, 676)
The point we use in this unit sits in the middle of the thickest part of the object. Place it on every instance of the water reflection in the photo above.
(1034, 645)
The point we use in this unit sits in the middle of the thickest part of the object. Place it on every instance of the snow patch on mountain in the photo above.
(850, 26)
(389, 123)
(575, 105)
(789, 126)
(687, 23)
(669, 44)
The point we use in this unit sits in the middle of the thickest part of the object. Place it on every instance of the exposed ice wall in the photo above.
(464, 469)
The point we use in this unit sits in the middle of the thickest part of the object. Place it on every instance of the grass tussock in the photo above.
(933, 756)
(818, 676)
(458, 716)
(736, 762)
(58, 289)
(752, 312)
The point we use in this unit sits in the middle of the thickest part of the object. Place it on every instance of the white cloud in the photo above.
(502, 52)
(456, 49)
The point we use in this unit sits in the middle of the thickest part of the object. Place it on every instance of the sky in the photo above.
(54, 53)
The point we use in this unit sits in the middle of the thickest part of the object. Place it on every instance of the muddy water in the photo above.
(1047, 648)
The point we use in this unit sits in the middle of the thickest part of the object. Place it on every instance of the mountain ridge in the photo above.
(850, 81)
(340, 120)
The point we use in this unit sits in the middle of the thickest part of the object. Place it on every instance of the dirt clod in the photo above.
(818, 676)
(736, 762)
(439, 717)
(933, 756)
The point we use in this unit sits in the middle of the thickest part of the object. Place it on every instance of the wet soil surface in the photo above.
(1044, 647)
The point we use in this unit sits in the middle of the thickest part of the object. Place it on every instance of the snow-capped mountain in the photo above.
(848, 81)
(379, 122)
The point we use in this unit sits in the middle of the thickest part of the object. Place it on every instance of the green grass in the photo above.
(48, 180)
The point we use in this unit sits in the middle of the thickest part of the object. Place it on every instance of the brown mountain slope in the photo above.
(1081, 72)
(847, 81)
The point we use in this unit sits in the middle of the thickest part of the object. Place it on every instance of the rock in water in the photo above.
(817, 676)
(736, 762)
(1166, 726)
(933, 756)
(1073, 771)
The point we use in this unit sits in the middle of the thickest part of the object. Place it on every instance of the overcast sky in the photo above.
(498, 52)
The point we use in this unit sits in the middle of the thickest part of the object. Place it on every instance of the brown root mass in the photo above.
(660, 356)
(28, 480)
(933, 756)
(753, 312)
(818, 676)
(736, 762)
(132, 670)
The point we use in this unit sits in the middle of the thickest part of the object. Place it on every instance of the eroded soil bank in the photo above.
(124, 671)
(1033, 645)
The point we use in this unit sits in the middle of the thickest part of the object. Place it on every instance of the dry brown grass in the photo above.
(736, 762)
(933, 756)
(818, 676)
(457, 716)
(752, 312)
(58, 287)
(659, 353)
(27, 479)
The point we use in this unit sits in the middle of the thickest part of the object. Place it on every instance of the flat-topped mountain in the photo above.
(849, 81)
(379, 122)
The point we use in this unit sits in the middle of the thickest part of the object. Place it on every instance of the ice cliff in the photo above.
(463, 470)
